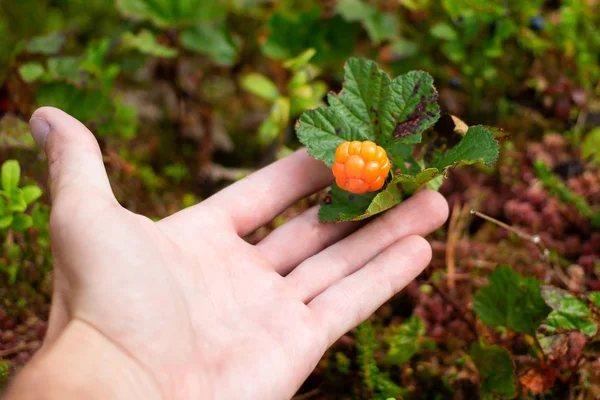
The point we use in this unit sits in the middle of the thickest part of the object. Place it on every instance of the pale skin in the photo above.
(185, 308)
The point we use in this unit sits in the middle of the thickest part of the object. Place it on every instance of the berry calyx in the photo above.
(360, 167)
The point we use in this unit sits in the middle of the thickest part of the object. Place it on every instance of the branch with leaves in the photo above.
(395, 114)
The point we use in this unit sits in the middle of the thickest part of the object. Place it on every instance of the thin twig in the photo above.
(451, 247)
(535, 239)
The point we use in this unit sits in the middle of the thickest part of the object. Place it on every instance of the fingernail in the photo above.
(40, 128)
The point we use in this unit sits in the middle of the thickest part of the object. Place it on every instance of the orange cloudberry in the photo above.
(360, 166)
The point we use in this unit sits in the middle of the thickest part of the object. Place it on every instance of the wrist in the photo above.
(82, 363)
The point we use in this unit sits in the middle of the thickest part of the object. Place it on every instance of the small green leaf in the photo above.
(30, 72)
(13, 271)
(405, 341)
(478, 145)
(496, 368)
(5, 221)
(66, 67)
(16, 199)
(276, 123)
(300, 60)
(40, 216)
(511, 300)
(355, 10)
(169, 13)
(11, 174)
(443, 31)
(21, 222)
(213, 41)
(307, 97)
(145, 42)
(31, 193)
(260, 86)
(48, 44)
(379, 25)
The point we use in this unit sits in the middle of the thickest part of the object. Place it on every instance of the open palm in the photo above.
(200, 311)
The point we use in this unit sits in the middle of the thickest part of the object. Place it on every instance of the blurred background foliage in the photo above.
(187, 96)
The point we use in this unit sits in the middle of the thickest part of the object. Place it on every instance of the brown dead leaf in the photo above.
(539, 379)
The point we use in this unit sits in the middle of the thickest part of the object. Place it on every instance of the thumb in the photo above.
(74, 158)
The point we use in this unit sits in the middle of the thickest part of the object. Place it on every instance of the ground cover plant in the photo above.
(189, 96)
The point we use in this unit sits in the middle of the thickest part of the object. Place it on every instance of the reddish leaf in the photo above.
(539, 379)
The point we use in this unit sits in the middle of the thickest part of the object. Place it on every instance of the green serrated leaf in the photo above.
(511, 300)
(405, 341)
(260, 85)
(558, 320)
(478, 145)
(48, 44)
(213, 41)
(370, 107)
(11, 174)
(318, 131)
(563, 301)
(145, 42)
(496, 368)
(21, 222)
(30, 72)
(568, 313)
(31, 193)
(14, 133)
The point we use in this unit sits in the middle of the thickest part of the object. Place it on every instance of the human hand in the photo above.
(184, 308)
